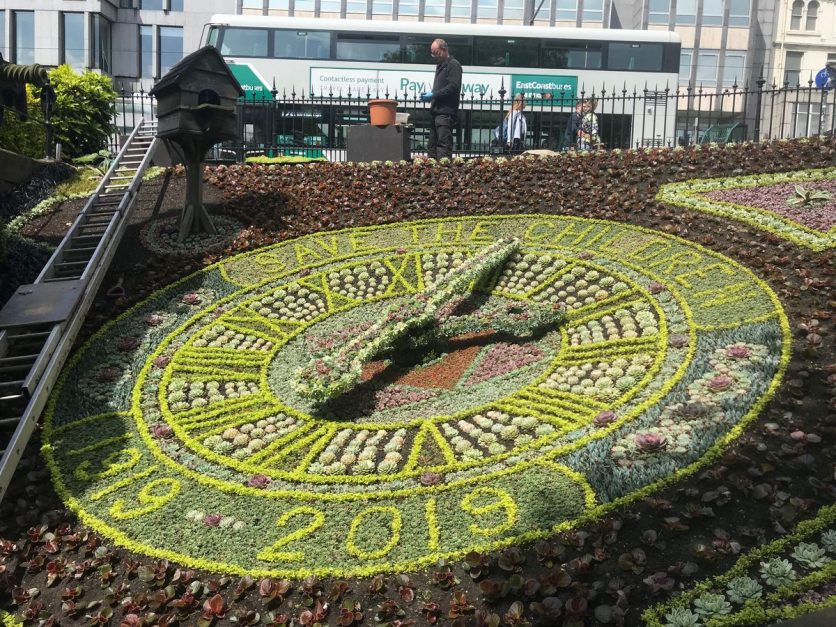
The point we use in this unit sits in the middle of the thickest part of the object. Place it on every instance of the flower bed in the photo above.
(777, 581)
(762, 200)
(483, 433)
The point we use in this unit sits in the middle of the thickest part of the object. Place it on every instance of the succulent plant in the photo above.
(810, 555)
(828, 540)
(741, 589)
(650, 442)
(808, 197)
(682, 617)
(777, 572)
(711, 604)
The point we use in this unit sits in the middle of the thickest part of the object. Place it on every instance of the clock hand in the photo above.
(336, 372)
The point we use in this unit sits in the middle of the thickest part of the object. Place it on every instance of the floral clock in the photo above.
(185, 428)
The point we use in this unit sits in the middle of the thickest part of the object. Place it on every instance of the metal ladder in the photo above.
(40, 322)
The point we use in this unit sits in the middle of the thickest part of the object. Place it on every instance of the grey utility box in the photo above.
(367, 142)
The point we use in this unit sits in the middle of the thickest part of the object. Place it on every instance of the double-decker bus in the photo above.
(339, 60)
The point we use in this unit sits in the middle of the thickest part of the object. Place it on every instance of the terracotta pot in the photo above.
(382, 111)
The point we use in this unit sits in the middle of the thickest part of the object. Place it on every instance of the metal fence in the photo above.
(316, 125)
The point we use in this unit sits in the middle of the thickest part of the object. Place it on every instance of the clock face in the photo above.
(193, 441)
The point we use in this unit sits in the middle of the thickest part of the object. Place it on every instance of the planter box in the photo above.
(377, 143)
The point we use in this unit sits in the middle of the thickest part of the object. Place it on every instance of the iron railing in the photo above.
(284, 123)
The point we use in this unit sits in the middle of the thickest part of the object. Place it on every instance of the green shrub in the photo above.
(84, 109)
(81, 122)
(25, 138)
(2, 245)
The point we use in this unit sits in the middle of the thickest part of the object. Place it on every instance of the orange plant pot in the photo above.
(382, 111)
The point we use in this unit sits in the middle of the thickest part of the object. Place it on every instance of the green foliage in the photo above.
(3, 237)
(25, 138)
(100, 160)
(289, 159)
(84, 108)
(741, 589)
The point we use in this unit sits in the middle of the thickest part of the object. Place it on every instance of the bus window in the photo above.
(498, 51)
(297, 44)
(417, 49)
(636, 57)
(212, 37)
(244, 42)
(573, 56)
(358, 47)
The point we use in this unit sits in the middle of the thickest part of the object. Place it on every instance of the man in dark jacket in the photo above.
(444, 97)
(573, 125)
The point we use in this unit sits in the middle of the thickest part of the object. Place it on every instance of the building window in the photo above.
(707, 67)
(513, 11)
(807, 119)
(795, 16)
(100, 43)
(812, 15)
(738, 13)
(488, 9)
(23, 23)
(685, 57)
(151, 5)
(356, 6)
(460, 8)
(792, 68)
(659, 12)
(146, 51)
(3, 34)
(712, 13)
(72, 39)
(434, 8)
(282, 5)
(733, 69)
(593, 11)
(545, 12)
(567, 10)
(379, 7)
(310, 6)
(686, 12)
(252, 4)
(171, 47)
(175, 5)
(405, 7)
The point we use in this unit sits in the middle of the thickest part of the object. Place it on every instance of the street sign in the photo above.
(826, 78)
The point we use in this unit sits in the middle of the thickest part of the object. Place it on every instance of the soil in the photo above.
(703, 521)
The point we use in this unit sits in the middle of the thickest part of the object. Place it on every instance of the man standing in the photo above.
(573, 125)
(444, 97)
